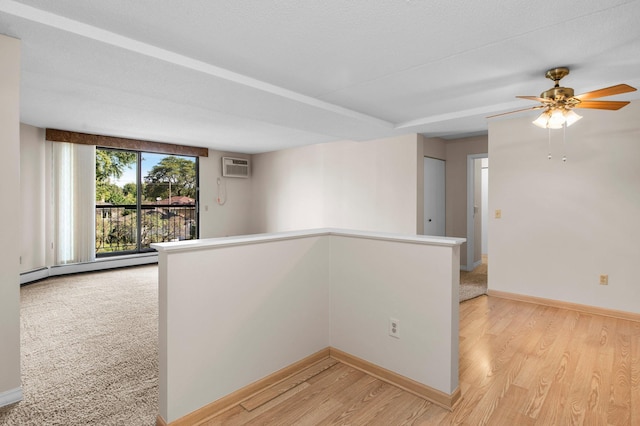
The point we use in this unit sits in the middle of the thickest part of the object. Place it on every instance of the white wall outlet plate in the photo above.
(394, 328)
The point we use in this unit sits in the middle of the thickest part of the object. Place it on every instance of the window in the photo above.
(144, 198)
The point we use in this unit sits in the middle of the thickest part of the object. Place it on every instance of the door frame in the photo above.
(470, 198)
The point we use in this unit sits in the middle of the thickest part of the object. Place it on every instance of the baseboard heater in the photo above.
(98, 265)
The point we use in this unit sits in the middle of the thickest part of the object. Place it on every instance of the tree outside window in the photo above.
(128, 220)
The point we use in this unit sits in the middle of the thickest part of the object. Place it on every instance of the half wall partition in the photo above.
(235, 310)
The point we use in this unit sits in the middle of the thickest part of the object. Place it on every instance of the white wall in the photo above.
(234, 216)
(10, 390)
(231, 324)
(374, 185)
(33, 192)
(434, 147)
(288, 189)
(564, 224)
(372, 281)
(224, 325)
(369, 185)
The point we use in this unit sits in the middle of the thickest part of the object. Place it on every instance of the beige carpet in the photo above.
(474, 283)
(89, 350)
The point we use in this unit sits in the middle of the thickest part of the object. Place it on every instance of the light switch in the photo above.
(498, 214)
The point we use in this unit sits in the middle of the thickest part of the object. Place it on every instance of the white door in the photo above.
(434, 209)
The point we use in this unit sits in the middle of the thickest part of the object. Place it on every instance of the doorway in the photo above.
(434, 197)
(477, 210)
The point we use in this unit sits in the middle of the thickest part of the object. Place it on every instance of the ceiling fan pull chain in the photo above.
(564, 142)
(549, 142)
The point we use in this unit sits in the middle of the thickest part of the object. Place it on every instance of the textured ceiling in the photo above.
(256, 76)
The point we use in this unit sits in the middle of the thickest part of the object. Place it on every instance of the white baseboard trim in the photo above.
(99, 265)
(595, 310)
(469, 268)
(35, 275)
(10, 397)
(104, 263)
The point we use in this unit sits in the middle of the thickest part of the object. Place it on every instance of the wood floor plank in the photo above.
(315, 414)
(410, 410)
(466, 308)
(368, 406)
(544, 345)
(433, 415)
(240, 416)
(497, 387)
(320, 392)
(403, 410)
(348, 394)
(563, 368)
(601, 381)
(620, 402)
(520, 364)
(635, 373)
(342, 379)
(287, 384)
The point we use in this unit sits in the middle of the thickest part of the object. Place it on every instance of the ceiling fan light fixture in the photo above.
(571, 117)
(556, 118)
(542, 120)
(558, 102)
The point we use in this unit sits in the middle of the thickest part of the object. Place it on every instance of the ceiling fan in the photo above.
(558, 102)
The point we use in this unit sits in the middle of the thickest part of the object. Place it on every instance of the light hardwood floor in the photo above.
(520, 364)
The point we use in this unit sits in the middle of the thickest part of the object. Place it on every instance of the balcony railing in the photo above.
(119, 230)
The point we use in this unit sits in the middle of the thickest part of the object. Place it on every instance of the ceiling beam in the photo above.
(104, 36)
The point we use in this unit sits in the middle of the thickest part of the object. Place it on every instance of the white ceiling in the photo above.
(254, 76)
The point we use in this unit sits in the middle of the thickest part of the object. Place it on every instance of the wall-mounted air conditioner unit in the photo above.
(235, 167)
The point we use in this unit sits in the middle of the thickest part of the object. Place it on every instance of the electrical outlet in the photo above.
(604, 279)
(394, 328)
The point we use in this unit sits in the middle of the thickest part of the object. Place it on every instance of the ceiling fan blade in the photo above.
(535, 98)
(610, 105)
(518, 110)
(608, 91)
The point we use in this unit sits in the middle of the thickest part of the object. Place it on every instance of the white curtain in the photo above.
(74, 179)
